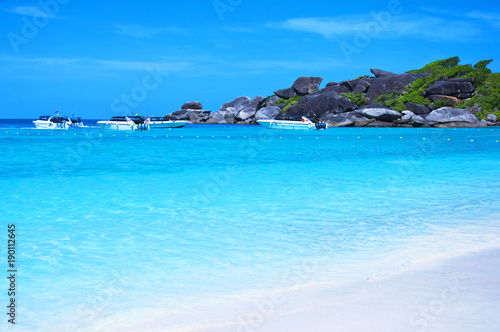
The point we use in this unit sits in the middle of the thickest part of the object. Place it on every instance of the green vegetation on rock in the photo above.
(486, 83)
(487, 98)
(288, 102)
(358, 98)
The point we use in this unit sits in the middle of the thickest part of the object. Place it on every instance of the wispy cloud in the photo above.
(196, 66)
(321, 25)
(28, 11)
(163, 66)
(142, 31)
(479, 17)
(491, 18)
(87, 67)
(423, 26)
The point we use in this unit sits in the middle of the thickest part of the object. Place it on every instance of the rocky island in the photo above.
(441, 94)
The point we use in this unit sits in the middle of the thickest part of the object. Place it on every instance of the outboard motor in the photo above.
(320, 125)
(143, 126)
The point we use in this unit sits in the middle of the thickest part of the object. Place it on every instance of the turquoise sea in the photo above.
(130, 223)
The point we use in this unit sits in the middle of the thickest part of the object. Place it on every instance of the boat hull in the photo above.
(166, 124)
(40, 124)
(109, 125)
(283, 124)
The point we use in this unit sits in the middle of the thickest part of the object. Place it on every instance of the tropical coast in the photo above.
(252, 166)
(442, 94)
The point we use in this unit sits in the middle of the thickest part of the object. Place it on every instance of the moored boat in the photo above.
(292, 122)
(125, 123)
(51, 122)
(165, 122)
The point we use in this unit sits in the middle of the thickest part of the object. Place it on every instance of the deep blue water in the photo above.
(109, 219)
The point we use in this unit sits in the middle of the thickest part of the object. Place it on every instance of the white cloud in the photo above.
(491, 18)
(29, 11)
(390, 26)
(97, 67)
(323, 26)
(165, 67)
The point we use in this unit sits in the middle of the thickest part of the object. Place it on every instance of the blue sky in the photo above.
(102, 58)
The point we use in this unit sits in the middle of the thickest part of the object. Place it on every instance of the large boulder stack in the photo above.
(192, 105)
(387, 84)
(381, 73)
(333, 103)
(380, 114)
(321, 103)
(446, 117)
(348, 119)
(461, 88)
(301, 87)
(268, 112)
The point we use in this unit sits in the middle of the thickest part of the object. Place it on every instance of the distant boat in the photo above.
(292, 122)
(165, 122)
(125, 123)
(51, 122)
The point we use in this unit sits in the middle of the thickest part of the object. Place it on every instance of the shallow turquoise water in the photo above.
(112, 221)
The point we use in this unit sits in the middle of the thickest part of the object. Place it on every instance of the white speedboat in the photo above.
(51, 122)
(125, 123)
(165, 122)
(292, 122)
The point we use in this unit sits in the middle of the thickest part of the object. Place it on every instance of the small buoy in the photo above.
(401, 137)
(448, 139)
(472, 140)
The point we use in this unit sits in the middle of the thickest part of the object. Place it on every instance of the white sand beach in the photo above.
(459, 293)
